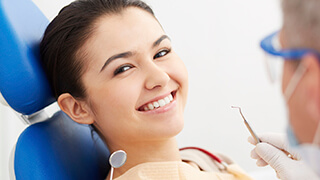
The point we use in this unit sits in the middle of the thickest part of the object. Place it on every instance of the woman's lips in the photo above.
(158, 103)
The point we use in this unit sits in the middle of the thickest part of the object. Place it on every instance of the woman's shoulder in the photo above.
(214, 163)
(206, 160)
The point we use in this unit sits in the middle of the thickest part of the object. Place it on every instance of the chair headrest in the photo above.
(59, 148)
(23, 82)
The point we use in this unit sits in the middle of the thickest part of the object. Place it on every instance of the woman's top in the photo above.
(195, 165)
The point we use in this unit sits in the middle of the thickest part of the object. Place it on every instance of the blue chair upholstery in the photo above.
(23, 83)
(60, 149)
(57, 148)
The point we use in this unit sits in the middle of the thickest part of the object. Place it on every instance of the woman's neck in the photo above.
(156, 151)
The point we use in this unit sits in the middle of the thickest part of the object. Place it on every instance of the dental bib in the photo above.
(195, 165)
(176, 170)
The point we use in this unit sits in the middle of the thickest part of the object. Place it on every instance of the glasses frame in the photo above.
(267, 45)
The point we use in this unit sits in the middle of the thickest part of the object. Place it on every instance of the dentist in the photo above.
(296, 156)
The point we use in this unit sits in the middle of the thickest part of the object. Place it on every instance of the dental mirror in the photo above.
(116, 160)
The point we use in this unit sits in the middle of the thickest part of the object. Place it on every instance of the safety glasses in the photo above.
(275, 55)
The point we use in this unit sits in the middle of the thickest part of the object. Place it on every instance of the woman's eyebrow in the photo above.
(157, 42)
(116, 56)
(129, 53)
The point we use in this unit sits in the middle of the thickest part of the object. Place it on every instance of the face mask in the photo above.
(310, 153)
(293, 142)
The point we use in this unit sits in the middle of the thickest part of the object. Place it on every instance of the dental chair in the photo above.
(50, 147)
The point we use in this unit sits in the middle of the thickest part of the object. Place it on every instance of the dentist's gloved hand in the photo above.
(273, 150)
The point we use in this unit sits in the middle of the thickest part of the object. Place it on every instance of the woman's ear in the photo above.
(312, 83)
(75, 109)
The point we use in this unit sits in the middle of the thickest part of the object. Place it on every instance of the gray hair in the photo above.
(301, 23)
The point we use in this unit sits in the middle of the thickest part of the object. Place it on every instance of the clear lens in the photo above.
(274, 64)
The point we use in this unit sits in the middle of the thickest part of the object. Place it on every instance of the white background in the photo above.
(219, 43)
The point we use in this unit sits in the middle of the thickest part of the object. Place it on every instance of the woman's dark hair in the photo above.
(67, 33)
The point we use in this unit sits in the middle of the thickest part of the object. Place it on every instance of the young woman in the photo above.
(111, 65)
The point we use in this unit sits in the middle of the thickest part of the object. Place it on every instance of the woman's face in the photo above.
(131, 70)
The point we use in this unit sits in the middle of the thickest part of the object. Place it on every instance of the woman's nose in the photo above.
(156, 77)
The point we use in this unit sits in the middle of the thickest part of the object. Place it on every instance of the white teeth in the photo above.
(159, 103)
(166, 100)
(150, 106)
(156, 104)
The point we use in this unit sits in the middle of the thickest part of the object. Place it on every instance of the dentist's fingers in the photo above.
(254, 155)
(260, 162)
(277, 140)
(251, 140)
(285, 167)
(276, 158)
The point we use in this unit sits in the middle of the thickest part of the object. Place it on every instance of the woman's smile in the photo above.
(160, 104)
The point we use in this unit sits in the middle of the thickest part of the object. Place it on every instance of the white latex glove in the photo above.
(273, 150)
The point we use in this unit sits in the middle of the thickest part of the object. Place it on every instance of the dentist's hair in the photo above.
(60, 47)
(301, 23)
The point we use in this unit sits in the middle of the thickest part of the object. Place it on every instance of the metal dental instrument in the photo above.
(248, 126)
(116, 160)
(256, 137)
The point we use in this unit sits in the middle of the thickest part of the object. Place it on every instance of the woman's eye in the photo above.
(162, 53)
(122, 69)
